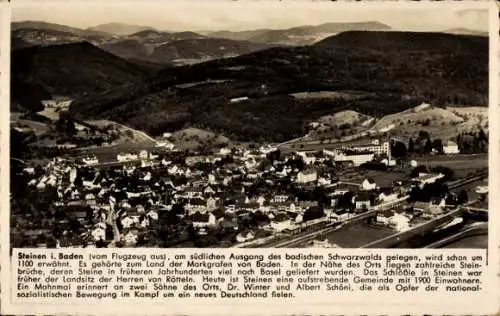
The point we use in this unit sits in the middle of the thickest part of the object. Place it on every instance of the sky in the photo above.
(197, 15)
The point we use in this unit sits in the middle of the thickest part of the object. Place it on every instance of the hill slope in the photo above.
(72, 70)
(396, 70)
(119, 28)
(39, 25)
(202, 49)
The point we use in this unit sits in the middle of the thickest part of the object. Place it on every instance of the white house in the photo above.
(99, 233)
(144, 154)
(281, 222)
(90, 160)
(357, 158)
(387, 195)
(340, 215)
(224, 151)
(450, 148)
(165, 144)
(245, 236)
(240, 99)
(126, 156)
(127, 221)
(152, 214)
(306, 176)
(203, 220)
(385, 217)
(426, 178)
(368, 184)
(400, 222)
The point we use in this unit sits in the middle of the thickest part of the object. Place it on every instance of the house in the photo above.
(384, 217)
(427, 178)
(363, 200)
(193, 192)
(437, 205)
(307, 176)
(340, 215)
(126, 156)
(368, 184)
(211, 203)
(308, 158)
(228, 222)
(245, 236)
(208, 190)
(203, 220)
(90, 160)
(431, 208)
(450, 148)
(279, 198)
(130, 237)
(152, 214)
(90, 199)
(240, 99)
(387, 195)
(143, 154)
(357, 158)
(399, 222)
(196, 205)
(281, 222)
(261, 200)
(164, 143)
(98, 233)
(127, 221)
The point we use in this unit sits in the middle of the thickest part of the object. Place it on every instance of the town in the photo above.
(253, 196)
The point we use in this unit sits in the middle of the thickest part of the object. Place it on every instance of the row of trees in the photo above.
(468, 143)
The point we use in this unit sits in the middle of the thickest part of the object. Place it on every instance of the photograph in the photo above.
(215, 125)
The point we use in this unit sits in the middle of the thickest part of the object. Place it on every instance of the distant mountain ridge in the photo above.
(301, 35)
(464, 31)
(143, 43)
(39, 25)
(121, 29)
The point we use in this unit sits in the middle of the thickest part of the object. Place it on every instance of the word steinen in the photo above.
(42, 256)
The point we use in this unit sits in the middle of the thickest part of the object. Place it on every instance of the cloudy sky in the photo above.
(198, 15)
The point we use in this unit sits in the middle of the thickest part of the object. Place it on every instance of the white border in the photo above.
(486, 307)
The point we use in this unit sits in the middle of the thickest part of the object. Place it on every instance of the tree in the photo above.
(417, 170)
(428, 146)
(65, 124)
(462, 197)
(398, 149)
(437, 145)
(448, 173)
(411, 146)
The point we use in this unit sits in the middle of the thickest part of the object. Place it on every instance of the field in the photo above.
(444, 123)
(357, 235)
(346, 95)
(127, 135)
(37, 127)
(193, 138)
(461, 164)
